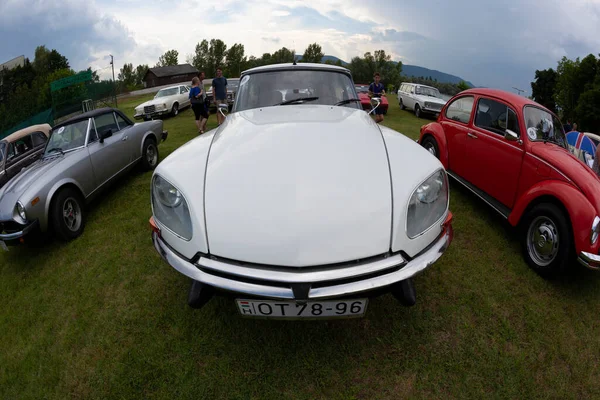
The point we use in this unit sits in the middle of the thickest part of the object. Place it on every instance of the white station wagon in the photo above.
(299, 204)
(420, 98)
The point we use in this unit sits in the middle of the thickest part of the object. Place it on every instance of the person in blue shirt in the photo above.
(219, 86)
(376, 90)
(198, 106)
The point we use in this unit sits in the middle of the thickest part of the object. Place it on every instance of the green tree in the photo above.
(588, 110)
(283, 55)
(127, 76)
(313, 54)
(462, 85)
(200, 57)
(235, 60)
(543, 88)
(140, 73)
(47, 61)
(169, 58)
(216, 56)
(567, 92)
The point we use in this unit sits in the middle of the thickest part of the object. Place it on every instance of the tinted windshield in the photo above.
(272, 88)
(167, 92)
(67, 137)
(541, 125)
(425, 91)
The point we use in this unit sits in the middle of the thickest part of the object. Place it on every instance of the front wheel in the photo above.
(546, 240)
(175, 109)
(67, 215)
(431, 146)
(417, 111)
(149, 155)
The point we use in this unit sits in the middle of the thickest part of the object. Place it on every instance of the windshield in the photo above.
(233, 84)
(167, 92)
(426, 91)
(541, 125)
(67, 137)
(272, 88)
(362, 88)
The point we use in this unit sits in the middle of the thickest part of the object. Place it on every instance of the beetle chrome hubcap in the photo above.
(430, 148)
(151, 155)
(72, 214)
(542, 241)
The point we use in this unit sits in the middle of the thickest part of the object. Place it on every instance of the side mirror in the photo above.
(374, 100)
(105, 135)
(511, 135)
(224, 109)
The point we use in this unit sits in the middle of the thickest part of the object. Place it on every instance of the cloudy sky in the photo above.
(490, 43)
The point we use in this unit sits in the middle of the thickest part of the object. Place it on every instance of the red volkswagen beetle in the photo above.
(513, 154)
(365, 101)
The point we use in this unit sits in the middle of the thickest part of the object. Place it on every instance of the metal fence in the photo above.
(45, 117)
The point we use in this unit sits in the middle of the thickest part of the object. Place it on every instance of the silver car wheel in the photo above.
(542, 241)
(72, 214)
(151, 154)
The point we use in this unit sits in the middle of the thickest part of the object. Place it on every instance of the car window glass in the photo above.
(183, 89)
(10, 153)
(122, 122)
(106, 122)
(2, 148)
(93, 135)
(460, 109)
(493, 116)
(542, 125)
(22, 146)
(38, 138)
(513, 122)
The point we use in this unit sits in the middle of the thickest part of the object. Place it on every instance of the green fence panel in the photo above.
(45, 117)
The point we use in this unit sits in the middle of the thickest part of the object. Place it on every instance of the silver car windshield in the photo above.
(543, 126)
(67, 137)
(167, 92)
(265, 89)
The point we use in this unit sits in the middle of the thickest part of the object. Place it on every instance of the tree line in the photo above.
(572, 90)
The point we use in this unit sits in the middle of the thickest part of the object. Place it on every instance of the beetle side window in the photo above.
(460, 109)
(513, 122)
(493, 116)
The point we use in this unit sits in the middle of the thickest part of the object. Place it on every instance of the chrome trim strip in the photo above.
(412, 268)
(589, 260)
(291, 276)
(20, 234)
(475, 193)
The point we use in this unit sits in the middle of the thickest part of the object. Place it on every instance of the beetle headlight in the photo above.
(427, 205)
(21, 211)
(170, 208)
(595, 230)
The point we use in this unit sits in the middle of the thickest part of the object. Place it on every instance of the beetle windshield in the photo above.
(272, 88)
(67, 137)
(167, 92)
(543, 126)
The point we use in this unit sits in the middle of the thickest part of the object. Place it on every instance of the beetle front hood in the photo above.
(298, 185)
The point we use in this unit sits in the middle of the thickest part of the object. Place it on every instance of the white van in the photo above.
(420, 98)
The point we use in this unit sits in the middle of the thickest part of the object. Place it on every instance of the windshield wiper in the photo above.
(300, 99)
(347, 101)
(58, 149)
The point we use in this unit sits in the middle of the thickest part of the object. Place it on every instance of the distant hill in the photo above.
(410, 70)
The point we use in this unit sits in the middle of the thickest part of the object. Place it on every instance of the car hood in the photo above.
(430, 99)
(297, 186)
(153, 102)
(574, 169)
(14, 189)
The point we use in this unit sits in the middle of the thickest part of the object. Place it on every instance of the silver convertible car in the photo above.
(82, 156)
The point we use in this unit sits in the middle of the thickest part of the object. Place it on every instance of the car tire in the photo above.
(417, 111)
(67, 216)
(402, 106)
(150, 155)
(546, 240)
(430, 144)
(175, 109)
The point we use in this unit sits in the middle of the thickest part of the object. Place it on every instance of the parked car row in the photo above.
(299, 205)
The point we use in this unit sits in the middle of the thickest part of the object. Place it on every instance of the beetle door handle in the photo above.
(474, 136)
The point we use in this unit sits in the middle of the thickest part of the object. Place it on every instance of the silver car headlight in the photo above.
(428, 204)
(170, 208)
(21, 211)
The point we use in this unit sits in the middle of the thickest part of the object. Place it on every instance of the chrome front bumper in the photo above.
(304, 284)
(589, 260)
(5, 237)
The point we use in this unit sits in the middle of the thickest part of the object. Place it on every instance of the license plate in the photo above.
(311, 309)
(3, 246)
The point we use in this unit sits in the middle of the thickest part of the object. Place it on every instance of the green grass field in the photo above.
(104, 317)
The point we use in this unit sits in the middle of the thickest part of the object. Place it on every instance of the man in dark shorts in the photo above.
(219, 86)
(376, 90)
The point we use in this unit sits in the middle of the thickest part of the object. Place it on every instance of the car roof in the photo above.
(515, 99)
(172, 87)
(418, 84)
(298, 66)
(44, 128)
(92, 114)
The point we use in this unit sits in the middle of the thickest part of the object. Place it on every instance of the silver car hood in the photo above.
(298, 186)
(14, 189)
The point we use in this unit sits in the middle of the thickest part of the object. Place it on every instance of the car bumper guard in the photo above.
(5, 237)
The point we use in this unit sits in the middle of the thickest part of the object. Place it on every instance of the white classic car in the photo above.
(167, 101)
(420, 98)
(300, 207)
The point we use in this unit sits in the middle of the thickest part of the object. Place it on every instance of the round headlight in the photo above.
(166, 193)
(21, 211)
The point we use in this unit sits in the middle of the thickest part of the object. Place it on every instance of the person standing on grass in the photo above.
(376, 89)
(219, 86)
(198, 106)
(201, 77)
